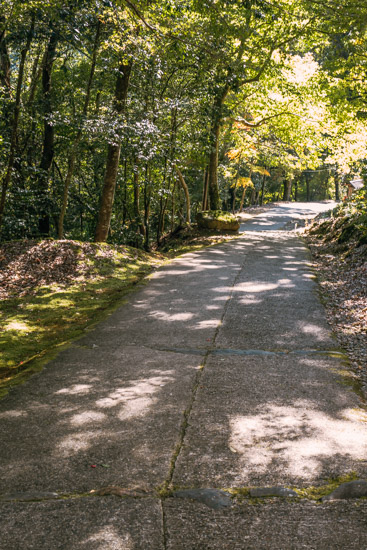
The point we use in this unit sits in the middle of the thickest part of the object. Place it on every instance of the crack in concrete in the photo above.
(344, 487)
(164, 526)
(167, 485)
(252, 352)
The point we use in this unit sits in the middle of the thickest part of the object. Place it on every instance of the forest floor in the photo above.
(339, 253)
(53, 291)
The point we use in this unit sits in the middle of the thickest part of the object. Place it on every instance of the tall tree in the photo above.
(48, 133)
(76, 142)
(113, 155)
(14, 126)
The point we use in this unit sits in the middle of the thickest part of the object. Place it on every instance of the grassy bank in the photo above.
(52, 291)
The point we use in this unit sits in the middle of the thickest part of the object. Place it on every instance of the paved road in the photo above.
(219, 375)
(286, 215)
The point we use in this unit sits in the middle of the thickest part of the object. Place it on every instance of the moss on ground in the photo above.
(219, 215)
(318, 492)
(34, 327)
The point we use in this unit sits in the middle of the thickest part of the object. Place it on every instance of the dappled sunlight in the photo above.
(298, 438)
(255, 286)
(12, 414)
(76, 389)
(309, 276)
(138, 406)
(308, 328)
(131, 401)
(250, 300)
(19, 326)
(76, 443)
(108, 538)
(285, 282)
(209, 323)
(193, 267)
(87, 417)
(135, 398)
(164, 316)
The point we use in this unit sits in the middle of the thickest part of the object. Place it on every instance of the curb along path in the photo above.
(220, 375)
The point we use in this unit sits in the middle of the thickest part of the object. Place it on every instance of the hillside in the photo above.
(339, 250)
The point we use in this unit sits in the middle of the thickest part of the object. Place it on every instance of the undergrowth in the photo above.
(345, 230)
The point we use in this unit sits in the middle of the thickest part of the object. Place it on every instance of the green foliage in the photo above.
(219, 215)
(286, 112)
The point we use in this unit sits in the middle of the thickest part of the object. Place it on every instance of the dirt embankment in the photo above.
(339, 249)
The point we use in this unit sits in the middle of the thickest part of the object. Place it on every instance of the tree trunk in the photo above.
(162, 205)
(4, 62)
(113, 157)
(262, 190)
(35, 77)
(235, 186)
(124, 207)
(147, 199)
(253, 197)
(187, 195)
(137, 216)
(13, 141)
(75, 145)
(243, 198)
(337, 186)
(48, 136)
(296, 190)
(213, 169)
(287, 190)
(205, 190)
(173, 207)
(213, 156)
(308, 195)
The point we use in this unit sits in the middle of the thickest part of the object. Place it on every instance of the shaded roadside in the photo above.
(341, 268)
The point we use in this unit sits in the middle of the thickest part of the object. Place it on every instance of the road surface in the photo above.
(165, 426)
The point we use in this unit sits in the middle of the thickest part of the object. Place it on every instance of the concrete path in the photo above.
(218, 376)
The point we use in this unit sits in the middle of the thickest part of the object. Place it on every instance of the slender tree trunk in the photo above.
(137, 215)
(48, 136)
(172, 152)
(113, 157)
(5, 70)
(13, 141)
(287, 190)
(213, 169)
(147, 200)
(296, 191)
(173, 207)
(213, 156)
(35, 77)
(243, 198)
(75, 145)
(124, 208)
(308, 194)
(205, 190)
(235, 186)
(262, 190)
(337, 186)
(162, 205)
(187, 195)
